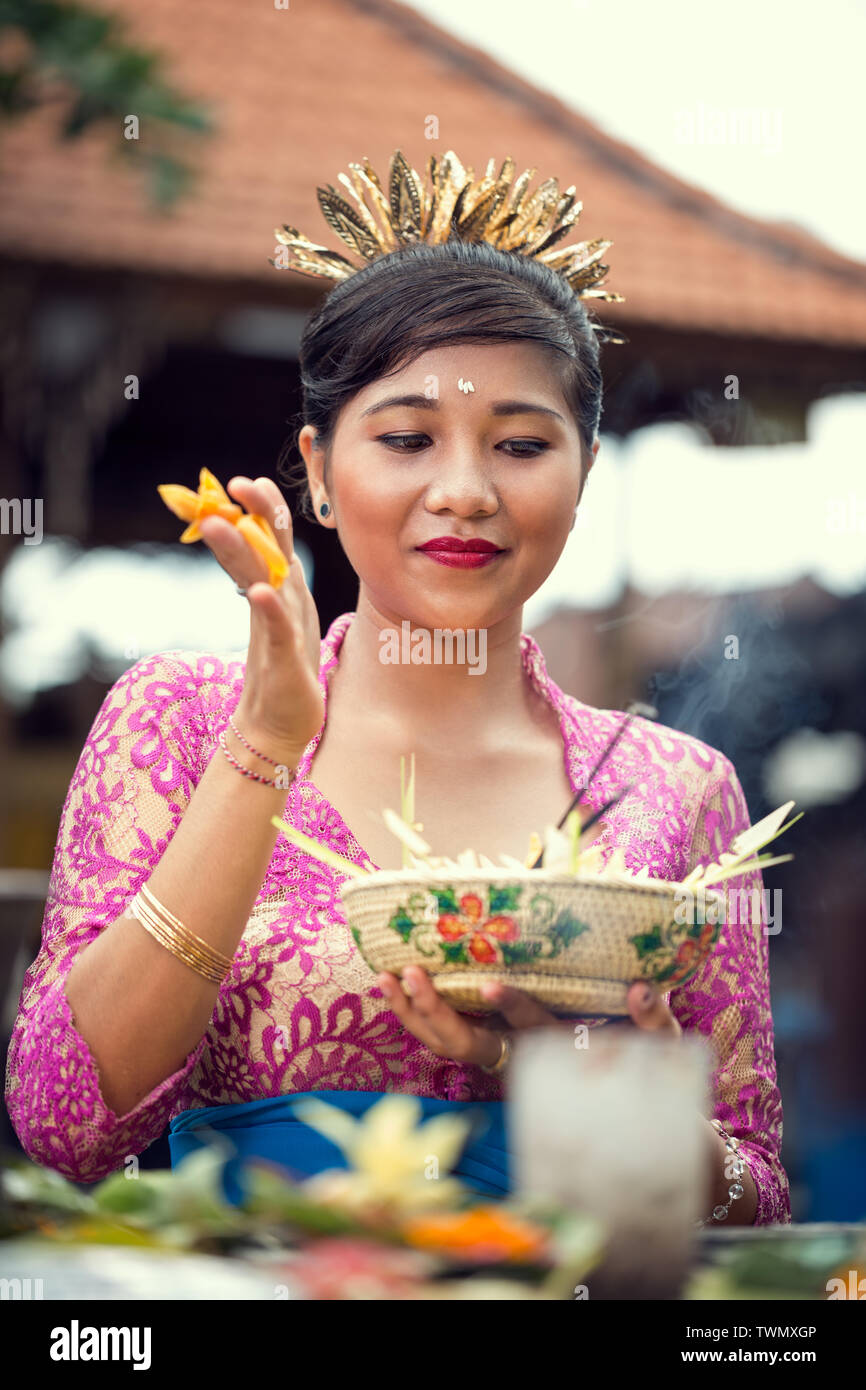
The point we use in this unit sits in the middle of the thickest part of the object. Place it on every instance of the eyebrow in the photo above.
(431, 403)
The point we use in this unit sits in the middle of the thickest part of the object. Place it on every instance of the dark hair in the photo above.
(387, 314)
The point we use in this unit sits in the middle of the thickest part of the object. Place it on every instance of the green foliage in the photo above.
(401, 922)
(271, 1197)
(447, 901)
(776, 1268)
(504, 897)
(520, 952)
(647, 942)
(564, 930)
(79, 58)
(180, 1208)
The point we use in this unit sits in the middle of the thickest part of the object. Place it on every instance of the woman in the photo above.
(452, 394)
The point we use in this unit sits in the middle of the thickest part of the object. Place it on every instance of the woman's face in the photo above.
(414, 458)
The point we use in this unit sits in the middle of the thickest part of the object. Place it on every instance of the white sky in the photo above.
(635, 67)
(661, 509)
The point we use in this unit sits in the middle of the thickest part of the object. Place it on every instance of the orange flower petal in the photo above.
(472, 906)
(258, 532)
(180, 500)
(210, 505)
(482, 1232)
(213, 500)
(208, 482)
(451, 927)
(503, 928)
(481, 950)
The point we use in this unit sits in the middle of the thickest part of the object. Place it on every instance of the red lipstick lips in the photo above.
(461, 554)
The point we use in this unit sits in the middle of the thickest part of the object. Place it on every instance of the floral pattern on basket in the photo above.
(654, 949)
(467, 920)
(464, 931)
(513, 924)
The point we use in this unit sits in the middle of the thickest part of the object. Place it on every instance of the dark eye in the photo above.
(405, 443)
(524, 448)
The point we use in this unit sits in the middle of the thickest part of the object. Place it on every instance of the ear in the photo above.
(314, 458)
(590, 460)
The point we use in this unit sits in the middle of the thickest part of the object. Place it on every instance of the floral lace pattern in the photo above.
(300, 1009)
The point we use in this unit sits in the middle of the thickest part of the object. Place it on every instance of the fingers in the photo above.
(518, 1009)
(425, 1013)
(415, 996)
(425, 1009)
(392, 989)
(263, 496)
(649, 1010)
(233, 552)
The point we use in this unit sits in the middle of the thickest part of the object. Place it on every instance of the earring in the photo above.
(324, 509)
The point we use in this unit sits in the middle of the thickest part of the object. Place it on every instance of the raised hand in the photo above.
(282, 702)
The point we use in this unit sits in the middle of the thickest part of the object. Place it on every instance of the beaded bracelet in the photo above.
(248, 772)
(738, 1165)
(236, 731)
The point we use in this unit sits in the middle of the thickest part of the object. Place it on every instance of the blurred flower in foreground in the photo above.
(390, 1156)
(356, 1268)
(483, 1235)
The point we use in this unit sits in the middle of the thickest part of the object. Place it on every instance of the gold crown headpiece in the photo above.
(450, 204)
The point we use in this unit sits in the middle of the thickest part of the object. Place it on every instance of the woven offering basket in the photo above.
(574, 943)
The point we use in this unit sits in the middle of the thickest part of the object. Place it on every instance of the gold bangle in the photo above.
(174, 928)
(157, 929)
(192, 941)
(183, 944)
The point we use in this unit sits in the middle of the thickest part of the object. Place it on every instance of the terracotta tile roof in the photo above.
(298, 93)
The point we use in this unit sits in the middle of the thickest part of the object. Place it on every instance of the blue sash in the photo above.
(269, 1130)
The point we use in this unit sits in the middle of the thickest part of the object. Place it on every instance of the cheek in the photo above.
(371, 507)
(545, 507)
(365, 494)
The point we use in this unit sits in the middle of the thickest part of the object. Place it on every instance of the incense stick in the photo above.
(573, 804)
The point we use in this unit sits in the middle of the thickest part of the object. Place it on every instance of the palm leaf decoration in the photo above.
(450, 203)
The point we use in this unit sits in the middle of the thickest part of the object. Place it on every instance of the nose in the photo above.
(461, 485)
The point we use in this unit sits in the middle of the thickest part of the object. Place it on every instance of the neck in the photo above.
(427, 680)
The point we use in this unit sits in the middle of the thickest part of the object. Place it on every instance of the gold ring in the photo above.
(504, 1054)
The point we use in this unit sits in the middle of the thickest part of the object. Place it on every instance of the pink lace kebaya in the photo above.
(300, 1009)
